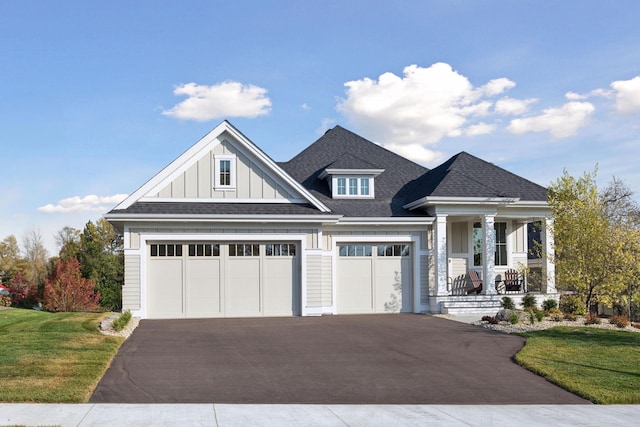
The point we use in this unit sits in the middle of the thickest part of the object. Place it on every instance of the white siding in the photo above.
(131, 288)
(314, 281)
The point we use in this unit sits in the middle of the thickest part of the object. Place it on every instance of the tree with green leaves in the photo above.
(101, 257)
(10, 260)
(595, 242)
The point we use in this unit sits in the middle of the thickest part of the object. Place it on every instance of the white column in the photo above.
(441, 254)
(548, 266)
(488, 255)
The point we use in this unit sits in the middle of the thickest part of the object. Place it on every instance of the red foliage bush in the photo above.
(67, 290)
(21, 292)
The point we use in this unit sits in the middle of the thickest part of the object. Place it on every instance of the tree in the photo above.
(594, 238)
(67, 290)
(101, 257)
(68, 240)
(10, 260)
(35, 254)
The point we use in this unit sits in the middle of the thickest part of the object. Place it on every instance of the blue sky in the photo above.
(96, 96)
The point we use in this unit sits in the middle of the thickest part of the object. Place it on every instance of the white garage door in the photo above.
(222, 280)
(374, 278)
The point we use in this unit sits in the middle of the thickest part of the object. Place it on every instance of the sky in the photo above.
(96, 97)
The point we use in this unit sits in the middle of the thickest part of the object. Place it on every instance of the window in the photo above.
(204, 249)
(354, 250)
(164, 250)
(353, 187)
(342, 186)
(500, 255)
(393, 250)
(280, 249)
(225, 165)
(364, 186)
(244, 249)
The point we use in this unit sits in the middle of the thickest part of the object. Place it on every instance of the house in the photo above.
(345, 227)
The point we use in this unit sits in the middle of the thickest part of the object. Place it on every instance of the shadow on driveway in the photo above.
(368, 359)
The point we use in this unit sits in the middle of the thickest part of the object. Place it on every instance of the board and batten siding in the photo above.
(252, 180)
(131, 288)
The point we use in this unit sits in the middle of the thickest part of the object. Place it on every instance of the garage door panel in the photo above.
(355, 291)
(242, 296)
(165, 294)
(392, 285)
(279, 278)
(203, 291)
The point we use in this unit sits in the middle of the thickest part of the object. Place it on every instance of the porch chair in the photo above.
(475, 281)
(512, 281)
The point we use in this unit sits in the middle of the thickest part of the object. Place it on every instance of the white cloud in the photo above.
(479, 129)
(91, 203)
(227, 99)
(305, 106)
(573, 96)
(417, 153)
(513, 107)
(627, 95)
(560, 122)
(421, 107)
(325, 125)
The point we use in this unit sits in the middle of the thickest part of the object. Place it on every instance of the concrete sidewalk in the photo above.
(226, 415)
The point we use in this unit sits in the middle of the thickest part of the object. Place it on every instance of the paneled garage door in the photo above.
(374, 278)
(222, 280)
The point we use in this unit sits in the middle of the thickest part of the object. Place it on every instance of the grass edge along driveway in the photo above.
(600, 365)
(52, 357)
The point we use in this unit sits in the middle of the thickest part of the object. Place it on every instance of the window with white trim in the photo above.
(165, 250)
(280, 249)
(352, 187)
(224, 171)
(204, 250)
(500, 255)
(244, 249)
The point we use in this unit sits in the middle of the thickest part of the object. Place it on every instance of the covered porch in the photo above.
(501, 243)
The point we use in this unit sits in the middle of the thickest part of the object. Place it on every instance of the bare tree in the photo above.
(35, 255)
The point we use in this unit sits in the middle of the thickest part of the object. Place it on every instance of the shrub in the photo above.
(539, 315)
(619, 321)
(555, 314)
(67, 290)
(532, 316)
(592, 319)
(514, 318)
(529, 301)
(121, 321)
(548, 304)
(507, 303)
(5, 301)
(570, 317)
(22, 293)
(490, 319)
(572, 304)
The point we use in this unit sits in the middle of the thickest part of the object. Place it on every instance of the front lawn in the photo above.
(598, 364)
(52, 357)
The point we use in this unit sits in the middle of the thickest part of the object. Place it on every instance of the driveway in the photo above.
(370, 359)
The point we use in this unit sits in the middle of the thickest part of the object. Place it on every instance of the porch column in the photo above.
(548, 266)
(441, 254)
(488, 255)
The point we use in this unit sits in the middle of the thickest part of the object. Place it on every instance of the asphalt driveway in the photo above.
(376, 359)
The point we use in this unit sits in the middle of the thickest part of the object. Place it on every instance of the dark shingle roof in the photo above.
(345, 148)
(208, 208)
(464, 175)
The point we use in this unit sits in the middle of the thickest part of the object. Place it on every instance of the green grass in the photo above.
(598, 364)
(52, 357)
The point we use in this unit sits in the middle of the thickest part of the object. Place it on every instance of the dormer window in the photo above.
(350, 177)
(224, 171)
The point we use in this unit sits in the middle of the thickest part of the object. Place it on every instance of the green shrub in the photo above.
(539, 315)
(570, 317)
(529, 301)
(548, 304)
(121, 321)
(555, 314)
(5, 301)
(619, 321)
(514, 318)
(532, 316)
(507, 303)
(572, 304)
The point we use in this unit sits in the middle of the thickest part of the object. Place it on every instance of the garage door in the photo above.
(374, 278)
(222, 280)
